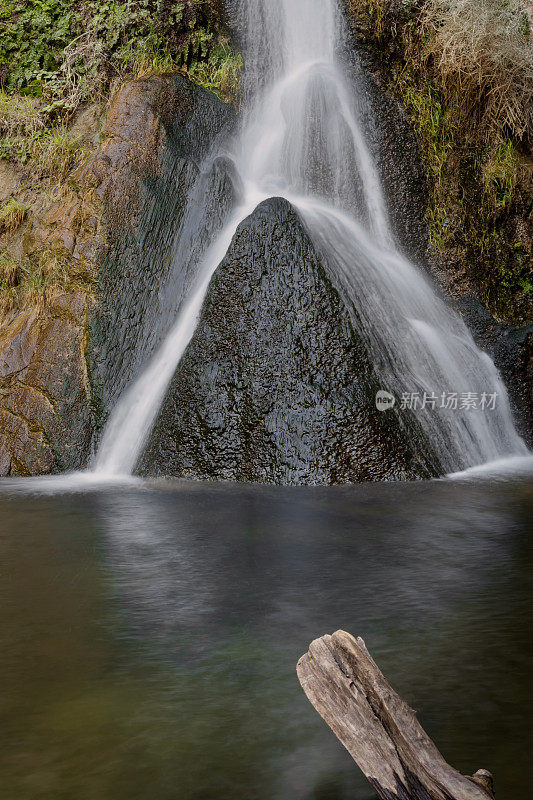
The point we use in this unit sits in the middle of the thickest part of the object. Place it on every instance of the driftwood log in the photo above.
(378, 728)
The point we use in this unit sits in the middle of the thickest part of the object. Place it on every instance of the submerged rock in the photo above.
(275, 385)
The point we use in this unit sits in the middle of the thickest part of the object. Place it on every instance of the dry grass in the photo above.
(57, 151)
(49, 273)
(12, 215)
(483, 52)
(37, 280)
(78, 74)
(8, 283)
(19, 115)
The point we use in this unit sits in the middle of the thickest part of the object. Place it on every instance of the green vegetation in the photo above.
(463, 70)
(18, 115)
(65, 51)
(56, 54)
(57, 151)
(220, 73)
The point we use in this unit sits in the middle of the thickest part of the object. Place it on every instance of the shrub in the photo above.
(65, 51)
(33, 34)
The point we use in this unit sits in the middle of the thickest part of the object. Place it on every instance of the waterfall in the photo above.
(302, 138)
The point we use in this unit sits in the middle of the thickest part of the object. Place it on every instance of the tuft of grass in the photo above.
(9, 273)
(50, 272)
(146, 57)
(34, 282)
(500, 175)
(57, 152)
(8, 270)
(12, 215)
(53, 151)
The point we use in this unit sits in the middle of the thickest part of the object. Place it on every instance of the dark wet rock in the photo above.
(158, 133)
(275, 385)
(512, 351)
(402, 174)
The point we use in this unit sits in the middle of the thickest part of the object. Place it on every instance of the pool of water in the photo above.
(150, 634)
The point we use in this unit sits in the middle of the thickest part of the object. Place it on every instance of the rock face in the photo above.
(45, 410)
(275, 385)
(63, 365)
(512, 352)
(158, 133)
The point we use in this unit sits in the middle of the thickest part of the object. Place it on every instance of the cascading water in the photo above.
(301, 138)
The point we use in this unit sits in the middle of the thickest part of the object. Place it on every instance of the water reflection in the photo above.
(151, 635)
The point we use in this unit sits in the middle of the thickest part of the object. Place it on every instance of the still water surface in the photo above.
(150, 634)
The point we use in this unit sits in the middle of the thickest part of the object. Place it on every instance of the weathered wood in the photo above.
(378, 728)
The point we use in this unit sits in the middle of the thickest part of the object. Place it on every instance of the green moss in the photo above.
(507, 268)
(499, 175)
(435, 125)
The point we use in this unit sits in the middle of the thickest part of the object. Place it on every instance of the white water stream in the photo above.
(302, 138)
